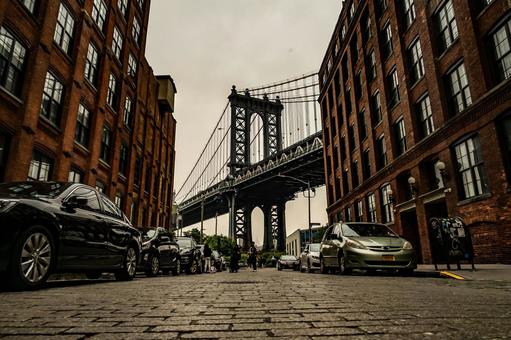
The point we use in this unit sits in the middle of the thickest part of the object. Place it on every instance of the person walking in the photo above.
(252, 256)
(207, 259)
(235, 258)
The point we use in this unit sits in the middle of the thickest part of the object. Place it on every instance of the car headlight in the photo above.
(407, 245)
(355, 244)
(315, 257)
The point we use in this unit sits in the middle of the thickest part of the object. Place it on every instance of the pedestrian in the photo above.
(235, 258)
(252, 256)
(207, 259)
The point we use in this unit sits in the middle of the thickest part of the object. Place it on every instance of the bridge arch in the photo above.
(257, 136)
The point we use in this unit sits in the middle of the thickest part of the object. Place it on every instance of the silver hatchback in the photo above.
(358, 245)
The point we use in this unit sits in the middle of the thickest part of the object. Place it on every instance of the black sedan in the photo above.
(191, 256)
(288, 262)
(49, 227)
(159, 252)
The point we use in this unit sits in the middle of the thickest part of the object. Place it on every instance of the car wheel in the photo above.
(323, 268)
(301, 268)
(176, 271)
(130, 266)
(279, 267)
(309, 267)
(342, 266)
(193, 268)
(93, 275)
(32, 259)
(154, 268)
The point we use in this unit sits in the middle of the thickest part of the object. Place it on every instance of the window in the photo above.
(387, 207)
(148, 179)
(470, 168)
(83, 121)
(393, 88)
(12, 62)
(425, 117)
(362, 128)
(110, 208)
(400, 137)
(502, 50)
(358, 86)
(409, 12)
(371, 208)
(457, 83)
(41, 167)
(359, 211)
(75, 176)
(381, 6)
(504, 126)
(123, 7)
(29, 4)
(99, 11)
(366, 164)
(92, 64)
(132, 66)
(354, 50)
(416, 61)
(347, 98)
(106, 144)
(128, 111)
(343, 147)
(118, 200)
(387, 41)
(343, 32)
(446, 25)
(138, 170)
(64, 29)
(345, 184)
(347, 214)
(140, 4)
(53, 93)
(135, 32)
(90, 195)
(351, 138)
(100, 186)
(376, 107)
(366, 27)
(123, 159)
(352, 11)
(381, 152)
(354, 174)
(117, 43)
(371, 68)
(112, 92)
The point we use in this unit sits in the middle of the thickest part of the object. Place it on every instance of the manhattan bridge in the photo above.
(266, 147)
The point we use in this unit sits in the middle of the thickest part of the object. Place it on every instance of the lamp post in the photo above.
(411, 182)
(308, 200)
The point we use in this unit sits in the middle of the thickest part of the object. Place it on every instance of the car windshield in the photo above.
(367, 230)
(288, 258)
(148, 234)
(32, 189)
(314, 247)
(184, 242)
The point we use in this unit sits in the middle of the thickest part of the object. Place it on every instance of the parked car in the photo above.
(159, 252)
(309, 259)
(191, 256)
(217, 260)
(288, 262)
(369, 246)
(50, 227)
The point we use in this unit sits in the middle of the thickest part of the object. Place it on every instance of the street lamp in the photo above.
(308, 199)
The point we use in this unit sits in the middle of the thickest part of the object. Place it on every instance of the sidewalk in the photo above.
(492, 272)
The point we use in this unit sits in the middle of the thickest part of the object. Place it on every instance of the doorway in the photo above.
(410, 228)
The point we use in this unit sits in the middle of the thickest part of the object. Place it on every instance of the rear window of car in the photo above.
(288, 258)
(366, 230)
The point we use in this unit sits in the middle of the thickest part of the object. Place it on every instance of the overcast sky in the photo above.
(209, 45)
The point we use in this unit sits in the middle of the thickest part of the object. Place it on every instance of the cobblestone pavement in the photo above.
(261, 304)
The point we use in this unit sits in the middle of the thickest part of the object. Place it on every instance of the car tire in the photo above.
(279, 268)
(154, 267)
(194, 268)
(94, 275)
(176, 271)
(32, 263)
(301, 268)
(309, 267)
(127, 273)
(323, 269)
(341, 265)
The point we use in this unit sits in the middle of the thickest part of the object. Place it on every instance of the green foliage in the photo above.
(194, 233)
(223, 244)
(267, 256)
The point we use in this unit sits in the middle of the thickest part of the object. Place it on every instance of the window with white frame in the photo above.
(12, 62)
(83, 121)
(371, 208)
(117, 43)
(387, 40)
(29, 4)
(112, 92)
(371, 60)
(501, 41)
(416, 61)
(53, 95)
(470, 168)
(75, 176)
(64, 29)
(425, 117)
(400, 137)
(135, 31)
(128, 111)
(359, 211)
(447, 26)
(118, 200)
(92, 64)
(393, 88)
(409, 12)
(123, 7)
(387, 208)
(132, 66)
(106, 144)
(41, 167)
(99, 11)
(457, 83)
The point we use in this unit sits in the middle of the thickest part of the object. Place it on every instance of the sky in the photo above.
(209, 45)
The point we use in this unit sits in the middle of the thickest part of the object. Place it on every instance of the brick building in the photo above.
(416, 103)
(79, 102)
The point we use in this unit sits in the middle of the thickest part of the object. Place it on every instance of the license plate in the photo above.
(388, 258)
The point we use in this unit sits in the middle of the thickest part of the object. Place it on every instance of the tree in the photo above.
(223, 244)
(194, 233)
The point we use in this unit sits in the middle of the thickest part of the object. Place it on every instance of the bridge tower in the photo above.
(243, 107)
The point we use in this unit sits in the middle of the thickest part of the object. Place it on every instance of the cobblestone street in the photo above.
(262, 304)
